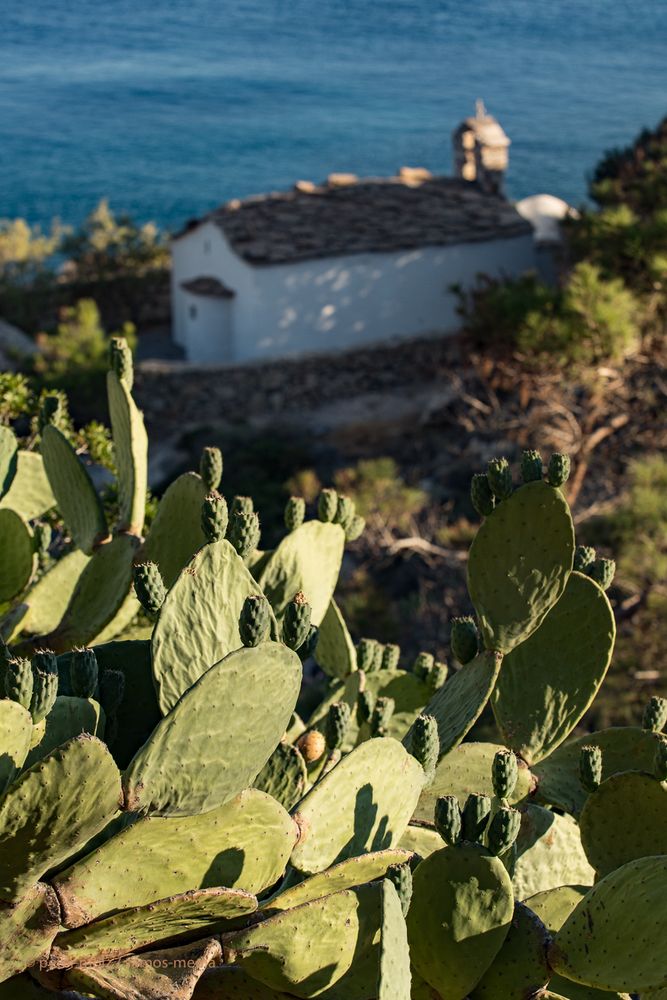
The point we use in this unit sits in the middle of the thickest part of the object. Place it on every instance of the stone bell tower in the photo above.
(481, 151)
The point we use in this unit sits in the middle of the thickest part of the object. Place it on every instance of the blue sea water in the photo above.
(169, 107)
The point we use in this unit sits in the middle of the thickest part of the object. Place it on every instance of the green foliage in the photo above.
(106, 246)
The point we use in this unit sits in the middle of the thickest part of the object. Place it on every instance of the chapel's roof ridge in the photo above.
(350, 215)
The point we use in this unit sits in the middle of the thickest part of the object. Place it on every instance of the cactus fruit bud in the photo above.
(44, 689)
(655, 714)
(242, 505)
(355, 528)
(602, 571)
(309, 646)
(505, 773)
(83, 673)
(210, 468)
(448, 819)
(365, 705)
(660, 759)
(436, 676)
(366, 649)
(481, 496)
(390, 656)
(424, 662)
(400, 877)
(120, 360)
(46, 661)
(464, 639)
(149, 587)
(382, 713)
(377, 657)
(584, 557)
(425, 743)
(590, 767)
(296, 623)
(559, 469)
(112, 689)
(254, 620)
(244, 532)
(474, 817)
(499, 476)
(19, 681)
(336, 725)
(214, 517)
(345, 511)
(295, 512)
(42, 538)
(531, 466)
(311, 745)
(327, 505)
(503, 830)
(52, 410)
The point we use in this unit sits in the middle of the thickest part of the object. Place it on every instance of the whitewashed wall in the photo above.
(337, 303)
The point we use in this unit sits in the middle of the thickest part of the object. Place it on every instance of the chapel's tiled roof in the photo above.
(347, 215)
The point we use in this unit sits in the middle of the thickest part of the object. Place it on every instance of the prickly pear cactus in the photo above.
(519, 564)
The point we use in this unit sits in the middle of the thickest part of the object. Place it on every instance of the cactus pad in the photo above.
(48, 598)
(30, 493)
(307, 560)
(336, 653)
(363, 804)
(15, 735)
(458, 704)
(130, 444)
(199, 620)
(196, 912)
(99, 594)
(27, 930)
(284, 775)
(625, 819)
(244, 844)
(176, 533)
(548, 853)
(519, 564)
(346, 875)
(44, 818)
(623, 748)
(18, 561)
(73, 489)
(169, 974)
(309, 950)
(572, 650)
(68, 718)
(222, 725)
(520, 968)
(8, 458)
(461, 912)
(629, 905)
